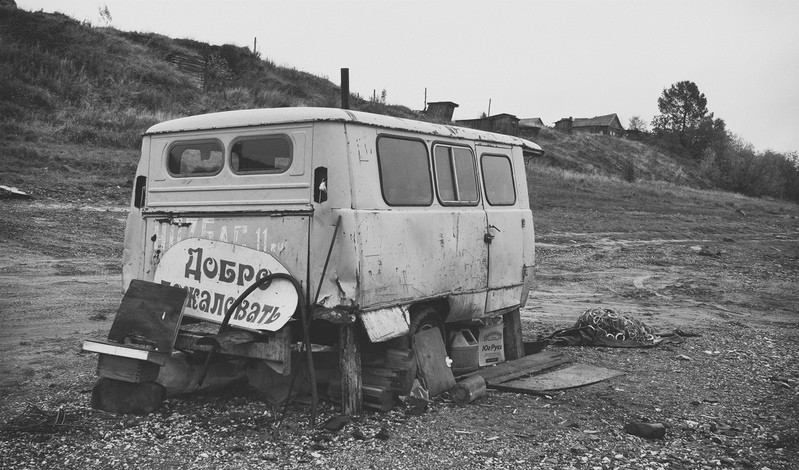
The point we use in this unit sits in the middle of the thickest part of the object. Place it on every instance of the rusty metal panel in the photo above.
(468, 306)
(387, 323)
(412, 254)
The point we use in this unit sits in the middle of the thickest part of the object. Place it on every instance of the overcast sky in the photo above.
(530, 58)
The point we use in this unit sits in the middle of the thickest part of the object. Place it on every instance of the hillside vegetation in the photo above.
(66, 83)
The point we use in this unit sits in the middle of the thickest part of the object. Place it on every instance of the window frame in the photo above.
(380, 169)
(512, 177)
(260, 137)
(190, 142)
(457, 202)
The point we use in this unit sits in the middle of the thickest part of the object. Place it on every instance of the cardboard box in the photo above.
(491, 342)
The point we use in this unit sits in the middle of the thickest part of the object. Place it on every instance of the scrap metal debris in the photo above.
(37, 420)
(605, 327)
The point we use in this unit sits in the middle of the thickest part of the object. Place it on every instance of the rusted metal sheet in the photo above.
(385, 324)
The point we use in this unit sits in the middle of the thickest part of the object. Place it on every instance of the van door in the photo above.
(505, 216)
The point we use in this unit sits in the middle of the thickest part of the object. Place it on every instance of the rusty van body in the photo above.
(382, 220)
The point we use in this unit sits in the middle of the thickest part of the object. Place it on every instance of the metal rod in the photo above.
(345, 88)
(327, 260)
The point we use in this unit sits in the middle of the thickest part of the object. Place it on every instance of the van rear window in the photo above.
(404, 172)
(261, 155)
(498, 180)
(455, 175)
(200, 158)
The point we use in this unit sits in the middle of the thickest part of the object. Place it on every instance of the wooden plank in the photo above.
(524, 366)
(378, 398)
(512, 335)
(575, 376)
(149, 315)
(272, 347)
(431, 357)
(350, 366)
(126, 369)
(231, 338)
(114, 349)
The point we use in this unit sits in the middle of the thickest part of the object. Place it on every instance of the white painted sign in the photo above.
(216, 273)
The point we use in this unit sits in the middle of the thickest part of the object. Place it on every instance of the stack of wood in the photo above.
(385, 376)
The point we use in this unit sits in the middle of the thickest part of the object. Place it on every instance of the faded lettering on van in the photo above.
(172, 231)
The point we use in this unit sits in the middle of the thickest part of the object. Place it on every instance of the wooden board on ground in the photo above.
(431, 356)
(525, 366)
(149, 316)
(575, 376)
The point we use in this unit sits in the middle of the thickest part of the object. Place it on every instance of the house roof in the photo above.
(606, 120)
(532, 122)
(452, 103)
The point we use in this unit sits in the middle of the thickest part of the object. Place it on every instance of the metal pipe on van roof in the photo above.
(345, 88)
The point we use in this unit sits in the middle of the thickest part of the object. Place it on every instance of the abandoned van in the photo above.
(381, 226)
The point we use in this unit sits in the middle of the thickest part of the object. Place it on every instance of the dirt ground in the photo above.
(728, 398)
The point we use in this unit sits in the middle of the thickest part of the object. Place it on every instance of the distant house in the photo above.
(441, 110)
(608, 124)
(500, 123)
(531, 127)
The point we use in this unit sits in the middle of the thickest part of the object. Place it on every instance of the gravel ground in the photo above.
(728, 398)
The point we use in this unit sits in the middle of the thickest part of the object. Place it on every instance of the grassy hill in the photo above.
(83, 95)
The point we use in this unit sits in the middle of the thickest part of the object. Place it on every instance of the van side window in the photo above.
(261, 155)
(498, 180)
(455, 175)
(199, 158)
(404, 172)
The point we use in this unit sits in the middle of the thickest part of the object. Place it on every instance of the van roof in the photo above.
(274, 116)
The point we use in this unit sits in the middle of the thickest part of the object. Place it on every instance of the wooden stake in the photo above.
(512, 334)
(350, 365)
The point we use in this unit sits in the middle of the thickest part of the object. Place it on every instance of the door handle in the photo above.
(488, 237)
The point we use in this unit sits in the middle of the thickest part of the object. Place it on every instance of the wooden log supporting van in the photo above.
(389, 225)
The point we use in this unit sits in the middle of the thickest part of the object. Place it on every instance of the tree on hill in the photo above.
(682, 107)
(685, 118)
(636, 124)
